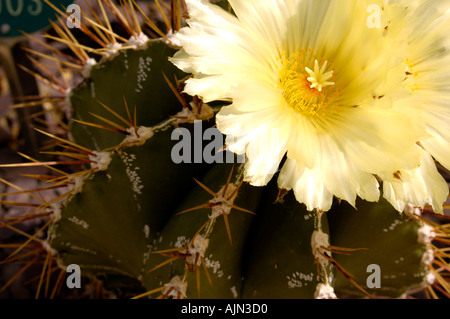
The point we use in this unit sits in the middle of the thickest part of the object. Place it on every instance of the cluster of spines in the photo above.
(193, 252)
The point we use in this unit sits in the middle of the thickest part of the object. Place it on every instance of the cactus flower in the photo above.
(314, 82)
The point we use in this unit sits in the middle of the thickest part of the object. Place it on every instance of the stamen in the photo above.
(307, 90)
(318, 78)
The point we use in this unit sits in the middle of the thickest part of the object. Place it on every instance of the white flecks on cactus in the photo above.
(139, 42)
(196, 250)
(197, 113)
(234, 292)
(132, 173)
(429, 279)
(176, 288)
(147, 231)
(137, 137)
(324, 291)
(393, 225)
(172, 40)
(146, 256)
(100, 160)
(214, 265)
(427, 257)
(113, 50)
(298, 280)
(60, 263)
(181, 241)
(88, 67)
(426, 234)
(320, 240)
(389, 276)
(79, 222)
(49, 249)
(93, 95)
(125, 59)
(84, 250)
(223, 204)
(143, 72)
(55, 209)
(412, 211)
(76, 185)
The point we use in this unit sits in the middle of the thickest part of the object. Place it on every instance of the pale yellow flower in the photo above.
(423, 43)
(315, 76)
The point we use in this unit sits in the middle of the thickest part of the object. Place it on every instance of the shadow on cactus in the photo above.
(146, 227)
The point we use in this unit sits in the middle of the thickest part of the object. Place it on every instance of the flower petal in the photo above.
(418, 187)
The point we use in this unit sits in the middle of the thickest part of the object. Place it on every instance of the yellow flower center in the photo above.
(411, 77)
(307, 84)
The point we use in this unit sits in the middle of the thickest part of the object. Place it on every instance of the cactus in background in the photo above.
(147, 226)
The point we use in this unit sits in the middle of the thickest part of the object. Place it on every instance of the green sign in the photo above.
(27, 15)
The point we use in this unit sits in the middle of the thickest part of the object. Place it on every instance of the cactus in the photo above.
(148, 227)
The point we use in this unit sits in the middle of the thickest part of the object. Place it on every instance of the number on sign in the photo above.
(35, 8)
(16, 7)
(14, 11)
